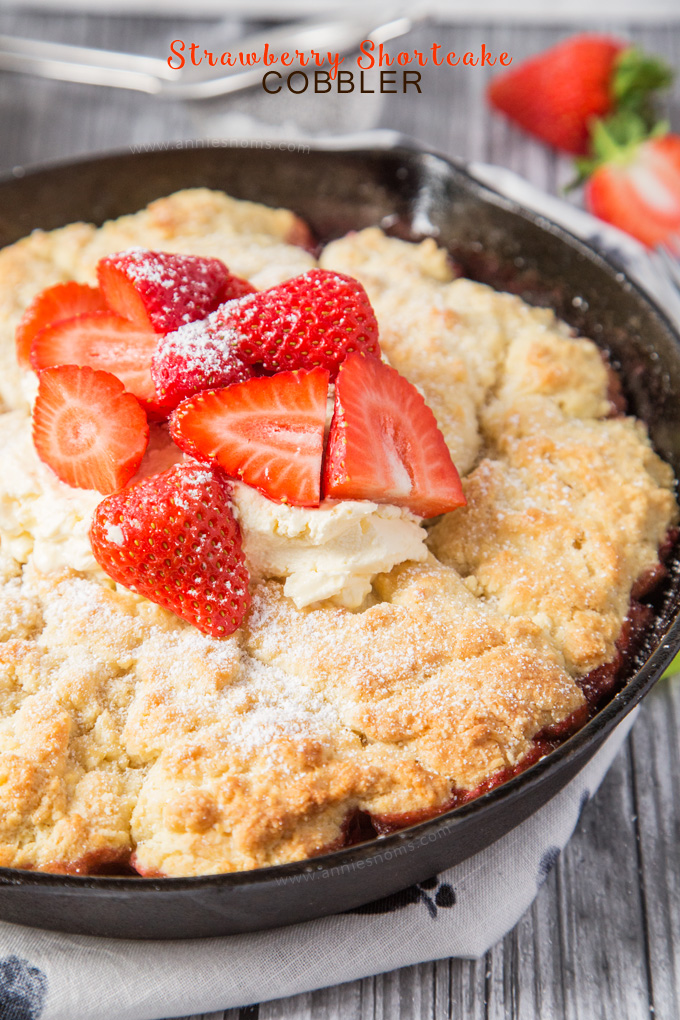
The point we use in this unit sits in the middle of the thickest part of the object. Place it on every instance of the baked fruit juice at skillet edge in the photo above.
(280, 623)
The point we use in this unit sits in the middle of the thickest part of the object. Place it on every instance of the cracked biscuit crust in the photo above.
(124, 732)
(125, 729)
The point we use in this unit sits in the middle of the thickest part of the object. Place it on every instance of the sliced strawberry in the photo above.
(312, 321)
(87, 428)
(636, 185)
(173, 538)
(161, 291)
(267, 431)
(103, 341)
(199, 356)
(384, 443)
(55, 304)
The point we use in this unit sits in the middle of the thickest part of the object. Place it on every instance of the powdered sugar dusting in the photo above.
(114, 534)
(174, 289)
(200, 355)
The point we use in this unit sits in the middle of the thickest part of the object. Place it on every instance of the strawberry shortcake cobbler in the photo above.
(249, 610)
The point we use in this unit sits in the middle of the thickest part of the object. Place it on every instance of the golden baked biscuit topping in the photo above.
(127, 734)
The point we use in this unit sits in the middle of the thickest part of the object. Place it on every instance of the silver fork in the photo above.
(152, 75)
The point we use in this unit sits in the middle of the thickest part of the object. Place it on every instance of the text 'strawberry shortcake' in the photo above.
(267, 431)
(384, 443)
(173, 539)
(87, 428)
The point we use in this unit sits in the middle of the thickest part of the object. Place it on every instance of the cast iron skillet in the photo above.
(413, 193)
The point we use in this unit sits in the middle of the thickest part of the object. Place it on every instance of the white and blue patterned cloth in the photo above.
(461, 912)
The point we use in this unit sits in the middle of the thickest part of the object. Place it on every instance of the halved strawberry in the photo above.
(173, 538)
(267, 431)
(312, 321)
(635, 184)
(103, 341)
(54, 304)
(162, 291)
(199, 356)
(87, 428)
(384, 443)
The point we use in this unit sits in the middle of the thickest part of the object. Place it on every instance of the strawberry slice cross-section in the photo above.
(173, 538)
(88, 429)
(636, 186)
(267, 431)
(54, 304)
(105, 341)
(384, 443)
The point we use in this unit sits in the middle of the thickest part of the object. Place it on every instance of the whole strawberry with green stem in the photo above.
(558, 94)
(594, 96)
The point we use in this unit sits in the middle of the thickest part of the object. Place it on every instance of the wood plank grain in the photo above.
(602, 924)
(525, 972)
(468, 988)
(657, 787)
(297, 1007)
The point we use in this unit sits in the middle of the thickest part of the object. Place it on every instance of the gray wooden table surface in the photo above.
(602, 940)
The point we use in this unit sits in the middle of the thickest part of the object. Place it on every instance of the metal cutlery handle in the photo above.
(154, 76)
(82, 64)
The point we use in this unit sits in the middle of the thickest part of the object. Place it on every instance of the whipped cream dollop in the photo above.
(42, 518)
(331, 552)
